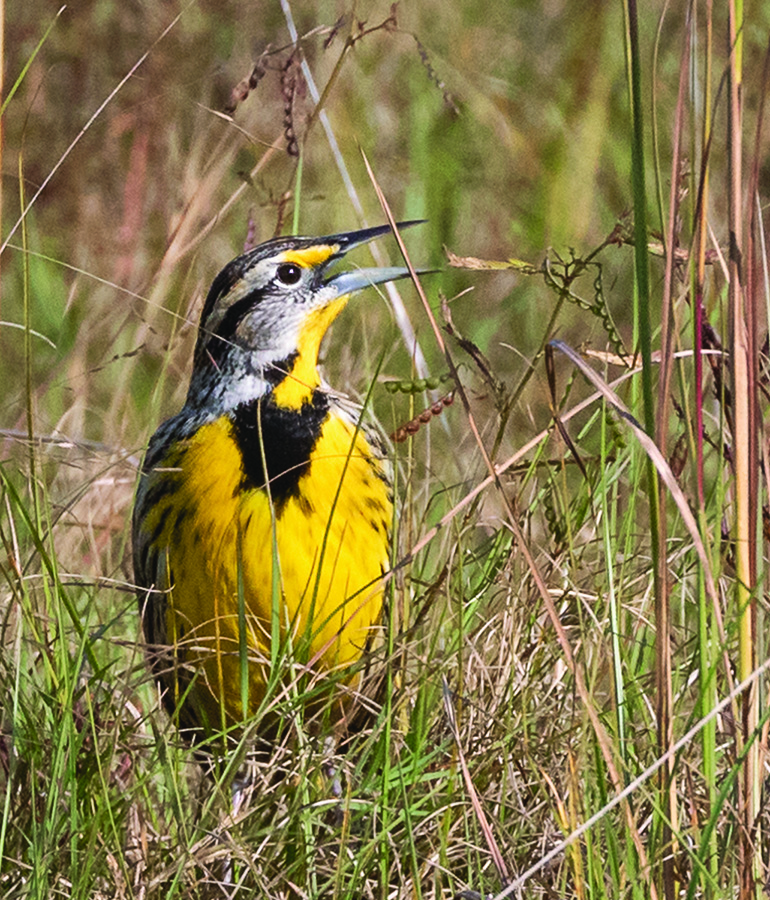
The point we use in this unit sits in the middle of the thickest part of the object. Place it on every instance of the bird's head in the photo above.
(267, 312)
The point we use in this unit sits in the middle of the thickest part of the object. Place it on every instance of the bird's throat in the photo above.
(300, 382)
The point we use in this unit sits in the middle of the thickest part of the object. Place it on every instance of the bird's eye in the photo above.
(288, 273)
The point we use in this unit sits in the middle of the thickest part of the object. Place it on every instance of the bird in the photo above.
(263, 513)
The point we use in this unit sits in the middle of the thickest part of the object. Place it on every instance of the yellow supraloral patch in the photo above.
(310, 257)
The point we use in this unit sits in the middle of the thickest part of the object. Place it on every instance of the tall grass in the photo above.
(579, 571)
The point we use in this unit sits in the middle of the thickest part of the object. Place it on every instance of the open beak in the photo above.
(358, 279)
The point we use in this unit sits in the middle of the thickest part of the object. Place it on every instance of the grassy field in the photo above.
(575, 698)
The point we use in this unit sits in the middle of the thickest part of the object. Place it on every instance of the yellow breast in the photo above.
(304, 578)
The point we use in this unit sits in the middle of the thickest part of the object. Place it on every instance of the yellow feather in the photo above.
(310, 257)
(332, 546)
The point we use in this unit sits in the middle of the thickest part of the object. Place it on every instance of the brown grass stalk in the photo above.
(744, 451)
(663, 665)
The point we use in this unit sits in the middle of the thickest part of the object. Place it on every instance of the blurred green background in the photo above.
(503, 124)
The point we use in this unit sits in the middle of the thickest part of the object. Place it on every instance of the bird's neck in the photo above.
(242, 375)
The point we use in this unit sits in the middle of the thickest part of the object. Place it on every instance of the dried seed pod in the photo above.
(423, 418)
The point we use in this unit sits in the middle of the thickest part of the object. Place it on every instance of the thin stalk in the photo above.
(664, 678)
(707, 648)
(297, 192)
(615, 627)
(406, 538)
(2, 90)
(28, 360)
(744, 454)
(643, 319)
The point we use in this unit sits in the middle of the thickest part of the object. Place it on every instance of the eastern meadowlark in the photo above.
(263, 511)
